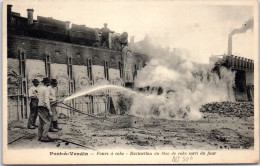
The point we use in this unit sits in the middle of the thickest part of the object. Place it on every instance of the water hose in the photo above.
(78, 111)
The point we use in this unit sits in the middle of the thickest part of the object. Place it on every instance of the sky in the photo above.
(201, 28)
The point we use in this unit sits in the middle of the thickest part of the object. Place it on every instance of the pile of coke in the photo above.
(238, 109)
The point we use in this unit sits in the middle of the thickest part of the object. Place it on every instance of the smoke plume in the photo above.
(176, 87)
(249, 24)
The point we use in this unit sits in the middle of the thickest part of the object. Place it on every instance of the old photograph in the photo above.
(141, 76)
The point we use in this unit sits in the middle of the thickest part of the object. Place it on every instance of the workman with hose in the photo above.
(53, 102)
(44, 109)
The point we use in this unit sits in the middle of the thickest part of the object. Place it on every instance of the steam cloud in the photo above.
(176, 87)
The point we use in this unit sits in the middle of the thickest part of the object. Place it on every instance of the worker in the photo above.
(105, 36)
(121, 102)
(44, 109)
(54, 119)
(33, 95)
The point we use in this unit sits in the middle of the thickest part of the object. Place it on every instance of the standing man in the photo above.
(105, 36)
(44, 110)
(33, 95)
(121, 104)
(54, 119)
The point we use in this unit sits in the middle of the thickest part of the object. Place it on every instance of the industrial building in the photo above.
(71, 54)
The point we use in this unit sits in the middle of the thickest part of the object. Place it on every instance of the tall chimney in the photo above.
(229, 44)
(30, 15)
(132, 39)
(9, 15)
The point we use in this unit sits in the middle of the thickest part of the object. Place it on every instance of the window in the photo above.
(106, 68)
(89, 65)
(47, 65)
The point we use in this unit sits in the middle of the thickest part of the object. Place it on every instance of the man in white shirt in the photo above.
(33, 95)
(54, 119)
(44, 109)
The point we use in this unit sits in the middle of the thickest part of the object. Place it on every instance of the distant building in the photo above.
(244, 78)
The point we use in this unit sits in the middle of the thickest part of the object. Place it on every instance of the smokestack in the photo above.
(230, 44)
(9, 15)
(132, 39)
(30, 15)
(249, 24)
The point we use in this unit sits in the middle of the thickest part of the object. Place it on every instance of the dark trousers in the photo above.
(45, 122)
(104, 40)
(54, 117)
(54, 112)
(33, 112)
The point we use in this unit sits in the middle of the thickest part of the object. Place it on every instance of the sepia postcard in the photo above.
(130, 82)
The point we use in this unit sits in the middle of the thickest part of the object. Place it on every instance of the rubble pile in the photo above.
(238, 109)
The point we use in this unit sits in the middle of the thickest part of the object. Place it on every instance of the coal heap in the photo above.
(237, 109)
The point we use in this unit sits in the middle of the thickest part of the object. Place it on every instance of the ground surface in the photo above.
(212, 131)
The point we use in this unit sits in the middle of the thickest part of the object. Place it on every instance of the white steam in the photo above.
(185, 86)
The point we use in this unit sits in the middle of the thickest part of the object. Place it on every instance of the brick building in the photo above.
(72, 55)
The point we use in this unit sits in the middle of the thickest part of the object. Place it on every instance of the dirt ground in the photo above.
(213, 131)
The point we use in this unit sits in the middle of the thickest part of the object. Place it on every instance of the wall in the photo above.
(59, 52)
(14, 91)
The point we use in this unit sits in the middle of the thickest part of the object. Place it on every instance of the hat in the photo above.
(54, 81)
(46, 80)
(35, 81)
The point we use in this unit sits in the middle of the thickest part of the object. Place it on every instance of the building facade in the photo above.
(51, 48)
